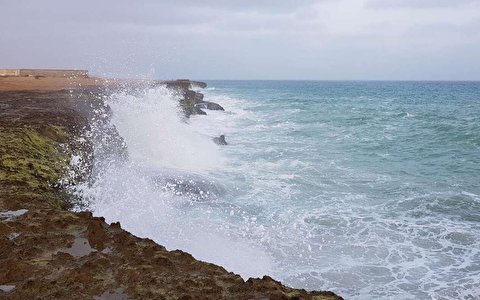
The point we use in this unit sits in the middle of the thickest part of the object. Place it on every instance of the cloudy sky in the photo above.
(249, 39)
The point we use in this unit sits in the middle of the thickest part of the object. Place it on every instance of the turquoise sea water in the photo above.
(368, 189)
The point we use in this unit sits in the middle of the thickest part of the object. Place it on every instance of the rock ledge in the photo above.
(48, 252)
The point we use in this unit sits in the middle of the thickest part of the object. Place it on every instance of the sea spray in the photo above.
(366, 189)
(155, 135)
(167, 187)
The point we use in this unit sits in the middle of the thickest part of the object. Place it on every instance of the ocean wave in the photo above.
(375, 197)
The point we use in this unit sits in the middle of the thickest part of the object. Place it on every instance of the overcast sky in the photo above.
(249, 39)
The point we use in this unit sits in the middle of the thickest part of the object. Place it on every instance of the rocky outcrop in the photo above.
(209, 105)
(40, 133)
(220, 140)
(56, 254)
(49, 252)
(198, 111)
(192, 101)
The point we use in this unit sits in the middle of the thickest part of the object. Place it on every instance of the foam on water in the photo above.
(162, 147)
(355, 188)
(359, 223)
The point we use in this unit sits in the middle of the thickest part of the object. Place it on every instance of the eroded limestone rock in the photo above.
(59, 254)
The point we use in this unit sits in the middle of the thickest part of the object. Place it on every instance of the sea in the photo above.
(369, 189)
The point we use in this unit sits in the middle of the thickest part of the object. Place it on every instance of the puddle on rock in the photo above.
(7, 288)
(80, 247)
(13, 235)
(107, 250)
(12, 214)
(116, 294)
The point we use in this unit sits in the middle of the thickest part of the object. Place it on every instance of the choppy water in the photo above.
(369, 189)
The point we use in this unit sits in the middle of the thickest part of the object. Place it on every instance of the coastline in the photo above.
(41, 121)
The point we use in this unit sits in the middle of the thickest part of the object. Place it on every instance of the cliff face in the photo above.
(49, 252)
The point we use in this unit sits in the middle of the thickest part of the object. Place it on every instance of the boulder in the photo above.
(209, 105)
(220, 140)
(197, 111)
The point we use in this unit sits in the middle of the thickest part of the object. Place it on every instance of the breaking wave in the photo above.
(330, 186)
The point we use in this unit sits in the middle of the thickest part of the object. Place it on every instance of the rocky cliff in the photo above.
(50, 252)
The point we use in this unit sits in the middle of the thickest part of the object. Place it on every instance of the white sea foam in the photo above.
(161, 147)
(156, 136)
(472, 195)
(294, 205)
(327, 231)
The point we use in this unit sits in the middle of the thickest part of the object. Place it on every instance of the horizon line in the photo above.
(350, 80)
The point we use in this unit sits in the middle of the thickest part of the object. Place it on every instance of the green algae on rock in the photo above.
(31, 158)
(38, 134)
(33, 161)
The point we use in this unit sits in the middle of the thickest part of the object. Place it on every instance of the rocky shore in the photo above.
(48, 251)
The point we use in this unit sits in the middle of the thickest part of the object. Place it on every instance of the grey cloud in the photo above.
(148, 12)
(440, 29)
(270, 39)
(419, 4)
(76, 15)
(269, 6)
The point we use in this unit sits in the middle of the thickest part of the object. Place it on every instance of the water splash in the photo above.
(167, 189)
(323, 185)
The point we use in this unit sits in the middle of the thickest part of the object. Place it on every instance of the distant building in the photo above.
(44, 73)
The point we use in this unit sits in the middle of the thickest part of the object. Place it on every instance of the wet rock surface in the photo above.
(220, 140)
(49, 252)
(209, 105)
(192, 102)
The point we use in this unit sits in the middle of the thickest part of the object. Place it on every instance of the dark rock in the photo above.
(198, 97)
(186, 84)
(189, 101)
(214, 106)
(182, 84)
(96, 234)
(209, 105)
(193, 97)
(197, 111)
(220, 140)
(199, 84)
